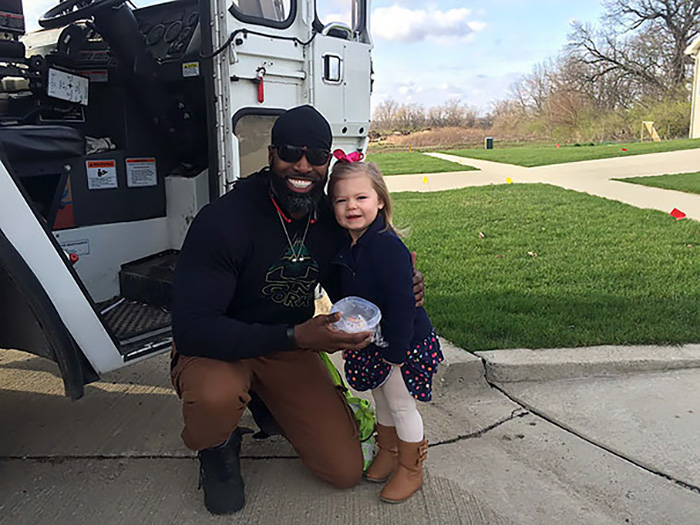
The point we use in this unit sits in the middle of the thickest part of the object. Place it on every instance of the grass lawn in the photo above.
(542, 155)
(554, 268)
(404, 163)
(688, 182)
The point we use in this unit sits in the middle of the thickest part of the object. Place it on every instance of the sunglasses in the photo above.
(315, 157)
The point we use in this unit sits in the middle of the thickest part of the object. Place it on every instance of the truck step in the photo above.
(137, 326)
(149, 280)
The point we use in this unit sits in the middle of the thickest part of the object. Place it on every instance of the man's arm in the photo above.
(205, 281)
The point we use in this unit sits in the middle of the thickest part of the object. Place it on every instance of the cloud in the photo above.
(400, 24)
(410, 88)
(338, 16)
(476, 90)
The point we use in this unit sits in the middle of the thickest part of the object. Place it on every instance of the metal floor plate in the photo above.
(132, 321)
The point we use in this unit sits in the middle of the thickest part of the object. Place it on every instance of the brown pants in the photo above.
(298, 390)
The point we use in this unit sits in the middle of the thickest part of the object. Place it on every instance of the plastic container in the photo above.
(357, 315)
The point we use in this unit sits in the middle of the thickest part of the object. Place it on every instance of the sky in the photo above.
(429, 53)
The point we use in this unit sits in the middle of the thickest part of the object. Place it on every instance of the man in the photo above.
(243, 305)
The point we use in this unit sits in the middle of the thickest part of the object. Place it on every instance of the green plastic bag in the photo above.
(364, 415)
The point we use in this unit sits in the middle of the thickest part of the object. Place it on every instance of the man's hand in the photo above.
(318, 334)
(418, 283)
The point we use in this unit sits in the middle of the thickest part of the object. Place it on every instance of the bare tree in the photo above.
(509, 119)
(453, 113)
(640, 45)
(677, 22)
(409, 117)
(434, 117)
(609, 91)
(637, 58)
(384, 115)
(531, 91)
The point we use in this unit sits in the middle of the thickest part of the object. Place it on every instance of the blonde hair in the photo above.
(370, 169)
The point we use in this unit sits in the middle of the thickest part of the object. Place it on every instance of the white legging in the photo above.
(397, 408)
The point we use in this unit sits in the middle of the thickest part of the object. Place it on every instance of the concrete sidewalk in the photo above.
(639, 402)
(619, 448)
(593, 177)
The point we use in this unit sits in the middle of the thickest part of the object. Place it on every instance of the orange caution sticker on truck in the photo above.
(101, 174)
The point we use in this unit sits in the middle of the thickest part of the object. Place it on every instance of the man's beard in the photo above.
(295, 202)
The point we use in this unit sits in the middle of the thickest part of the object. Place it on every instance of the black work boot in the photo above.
(220, 475)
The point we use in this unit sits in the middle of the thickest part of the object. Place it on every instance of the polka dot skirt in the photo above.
(365, 369)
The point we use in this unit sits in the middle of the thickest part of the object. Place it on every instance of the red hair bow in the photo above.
(353, 156)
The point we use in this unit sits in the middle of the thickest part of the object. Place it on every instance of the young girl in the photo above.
(399, 366)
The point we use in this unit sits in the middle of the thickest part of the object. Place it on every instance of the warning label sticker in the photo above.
(190, 69)
(78, 246)
(141, 172)
(101, 174)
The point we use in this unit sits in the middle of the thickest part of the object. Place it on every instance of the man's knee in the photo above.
(210, 414)
(343, 469)
(346, 476)
(218, 397)
(213, 385)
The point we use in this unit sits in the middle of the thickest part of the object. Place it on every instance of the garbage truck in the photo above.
(118, 122)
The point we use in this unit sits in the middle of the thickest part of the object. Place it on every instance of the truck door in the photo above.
(271, 55)
(258, 71)
(45, 310)
(341, 83)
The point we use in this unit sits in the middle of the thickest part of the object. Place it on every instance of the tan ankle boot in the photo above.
(387, 459)
(409, 475)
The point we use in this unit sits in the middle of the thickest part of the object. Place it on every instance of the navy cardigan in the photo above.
(378, 268)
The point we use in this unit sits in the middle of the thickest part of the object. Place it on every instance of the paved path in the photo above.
(592, 176)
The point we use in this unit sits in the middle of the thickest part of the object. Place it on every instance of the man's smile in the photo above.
(300, 185)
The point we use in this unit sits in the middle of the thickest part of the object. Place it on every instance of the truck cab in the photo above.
(117, 124)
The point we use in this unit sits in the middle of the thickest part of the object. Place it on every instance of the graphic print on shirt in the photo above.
(291, 282)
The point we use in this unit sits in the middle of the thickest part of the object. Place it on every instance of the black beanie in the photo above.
(302, 126)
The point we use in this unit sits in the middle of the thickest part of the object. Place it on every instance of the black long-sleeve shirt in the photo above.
(236, 288)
